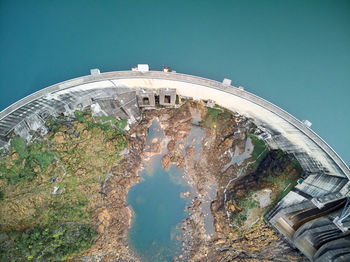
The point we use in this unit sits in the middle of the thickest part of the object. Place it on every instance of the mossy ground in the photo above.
(259, 146)
(276, 170)
(265, 169)
(76, 156)
(210, 119)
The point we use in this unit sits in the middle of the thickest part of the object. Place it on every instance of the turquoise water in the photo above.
(156, 229)
(155, 233)
(295, 53)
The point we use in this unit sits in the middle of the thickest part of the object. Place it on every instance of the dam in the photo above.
(305, 216)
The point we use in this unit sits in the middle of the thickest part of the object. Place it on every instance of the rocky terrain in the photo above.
(82, 169)
(242, 193)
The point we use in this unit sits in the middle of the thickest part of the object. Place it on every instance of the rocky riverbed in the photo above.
(234, 180)
(212, 231)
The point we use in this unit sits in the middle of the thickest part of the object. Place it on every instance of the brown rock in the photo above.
(79, 172)
(171, 145)
(189, 150)
(100, 229)
(187, 194)
(155, 147)
(228, 143)
(166, 162)
(104, 217)
(59, 138)
(180, 163)
(154, 140)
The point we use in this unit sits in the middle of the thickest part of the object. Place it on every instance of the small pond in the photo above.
(155, 234)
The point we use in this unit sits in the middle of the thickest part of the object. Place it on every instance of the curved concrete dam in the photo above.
(122, 93)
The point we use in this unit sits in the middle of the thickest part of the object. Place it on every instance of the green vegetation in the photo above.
(210, 119)
(27, 160)
(284, 181)
(53, 124)
(20, 146)
(104, 126)
(226, 114)
(46, 244)
(119, 124)
(57, 211)
(106, 123)
(177, 101)
(295, 163)
(259, 145)
(279, 173)
(38, 225)
(220, 119)
(79, 115)
(57, 229)
(111, 119)
(245, 204)
(259, 152)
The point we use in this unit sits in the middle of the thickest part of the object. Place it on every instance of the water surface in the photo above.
(156, 234)
(294, 53)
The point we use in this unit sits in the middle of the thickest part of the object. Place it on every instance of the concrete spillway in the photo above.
(326, 173)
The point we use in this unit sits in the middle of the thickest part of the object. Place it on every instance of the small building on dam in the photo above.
(314, 216)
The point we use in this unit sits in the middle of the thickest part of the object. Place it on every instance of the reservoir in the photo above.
(295, 54)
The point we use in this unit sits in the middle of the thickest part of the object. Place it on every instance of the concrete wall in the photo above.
(167, 97)
(146, 98)
(327, 174)
(287, 131)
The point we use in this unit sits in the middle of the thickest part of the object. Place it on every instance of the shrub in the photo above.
(30, 156)
(47, 244)
(41, 157)
(121, 124)
(79, 115)
(20, 145)
(111, 119)
(53, 125)
(246, 204)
